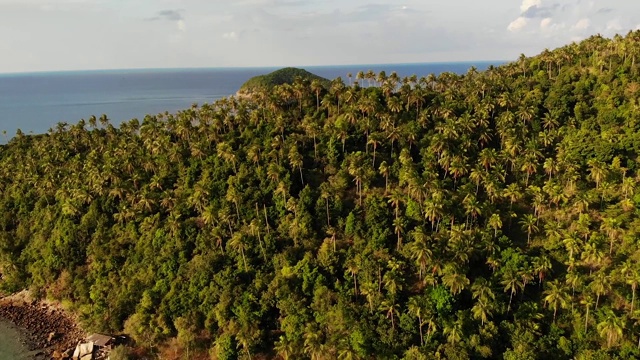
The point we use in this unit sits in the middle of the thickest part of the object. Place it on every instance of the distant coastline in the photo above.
(36, 102)
(267, 68)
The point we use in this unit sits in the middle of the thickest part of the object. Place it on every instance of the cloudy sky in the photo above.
(43, 35)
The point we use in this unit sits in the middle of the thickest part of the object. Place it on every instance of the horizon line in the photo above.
(497, 62)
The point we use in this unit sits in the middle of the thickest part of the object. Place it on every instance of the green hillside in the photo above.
(283, 76)
(490, 215)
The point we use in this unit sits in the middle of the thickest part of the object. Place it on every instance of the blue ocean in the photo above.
(36, 102)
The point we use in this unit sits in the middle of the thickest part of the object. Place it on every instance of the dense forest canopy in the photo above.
(280, 77)
(486, 215)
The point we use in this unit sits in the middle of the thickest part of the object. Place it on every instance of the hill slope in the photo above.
(487, 215)
(283, 76)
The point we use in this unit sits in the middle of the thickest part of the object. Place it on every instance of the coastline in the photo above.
(48, 331)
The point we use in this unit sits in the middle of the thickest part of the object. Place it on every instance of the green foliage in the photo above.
(120, 353)
(486, 215)
(279, 77)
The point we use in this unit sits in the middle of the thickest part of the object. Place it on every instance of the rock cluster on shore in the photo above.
(46, 329)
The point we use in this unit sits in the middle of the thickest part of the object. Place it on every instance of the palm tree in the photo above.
(512, 193)
(556, 296)
(390, 308)
(511, 282)
(597, 171)
(611, 327)
(284, 348)
(600, 285)
(415, 307)
(419, 250)
(529, 225)
(484, 297)
(455, 281)
(237, 243)
(375, 139)
(296, 161)
(495, 223)
(541, 265)
(313, 345)
(633, 280)
(453, 330)
(316, 87)
(384, 171)
(226, 153)
(353, 269)
(611, 226)
(482, 310)
(399, 226)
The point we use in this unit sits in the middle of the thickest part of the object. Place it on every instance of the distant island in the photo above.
(279, 77)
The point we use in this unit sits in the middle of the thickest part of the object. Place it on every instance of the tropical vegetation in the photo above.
(487, 215)
(280, 77)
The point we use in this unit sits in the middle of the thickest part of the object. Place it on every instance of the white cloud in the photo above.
(614, 25)
(582, 24)
(182, 26)
(517, 24)
(232, 35)
(545, 23)
(292, 32)
(527, 4)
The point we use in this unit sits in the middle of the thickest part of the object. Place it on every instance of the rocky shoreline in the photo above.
(48, 330)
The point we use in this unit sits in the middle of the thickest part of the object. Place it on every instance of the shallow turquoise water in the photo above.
(11, 346)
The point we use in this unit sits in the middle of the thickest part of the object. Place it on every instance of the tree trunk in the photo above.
(266, 220)
(315, 148)
(326, 200)
(243, 259)
(633, 297)
(586, 319)
(510, 299)
(264, 254)
(355, 285)
(374, 156)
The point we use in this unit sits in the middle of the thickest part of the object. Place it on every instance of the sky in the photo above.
(50, 35)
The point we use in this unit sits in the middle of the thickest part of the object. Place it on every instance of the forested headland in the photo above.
(489, 215)
(280, 77)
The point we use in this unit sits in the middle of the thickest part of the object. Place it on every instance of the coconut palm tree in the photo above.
(611, 327)
(556, 296)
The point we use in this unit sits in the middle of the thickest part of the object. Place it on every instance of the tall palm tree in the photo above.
(390, 309)
(416, 308)
(611, 327)
(419, 250)
(454, 280)
(528, 224)
(238, 243)
(556, 296)
(511, 282)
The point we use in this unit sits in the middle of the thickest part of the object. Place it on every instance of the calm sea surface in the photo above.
(35, 102)
(10, 345)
